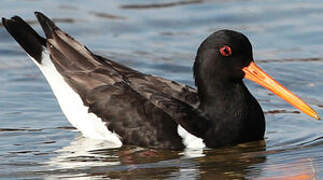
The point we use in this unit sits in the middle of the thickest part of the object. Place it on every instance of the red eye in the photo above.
(225, 51)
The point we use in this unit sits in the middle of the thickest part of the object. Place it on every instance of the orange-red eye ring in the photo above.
(226, 50)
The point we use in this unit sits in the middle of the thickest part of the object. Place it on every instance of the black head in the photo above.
(222, 56)
(222, 61)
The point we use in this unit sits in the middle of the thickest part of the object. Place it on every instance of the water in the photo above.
(161, 38)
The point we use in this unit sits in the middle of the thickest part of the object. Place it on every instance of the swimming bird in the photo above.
(107, 100)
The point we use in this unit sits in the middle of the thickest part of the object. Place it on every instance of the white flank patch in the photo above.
(189, 140)
(72, 105)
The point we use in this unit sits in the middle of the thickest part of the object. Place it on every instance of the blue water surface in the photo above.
(161, 38)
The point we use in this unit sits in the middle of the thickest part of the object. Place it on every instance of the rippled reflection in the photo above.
(161, 38)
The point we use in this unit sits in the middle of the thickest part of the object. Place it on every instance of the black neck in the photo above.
(234, 113)
(222, 99)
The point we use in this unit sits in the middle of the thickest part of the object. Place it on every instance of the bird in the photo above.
(107, 100)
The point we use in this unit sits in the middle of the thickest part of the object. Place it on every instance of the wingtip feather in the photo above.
(46, 23)
(28, 39)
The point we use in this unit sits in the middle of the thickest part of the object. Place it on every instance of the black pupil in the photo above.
(226, 51)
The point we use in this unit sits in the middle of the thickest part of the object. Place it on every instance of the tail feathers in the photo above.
(47, 24)
(65, 52)
(27, 38)
(62, 44)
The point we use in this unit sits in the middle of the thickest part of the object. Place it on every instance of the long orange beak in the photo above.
(256, 74)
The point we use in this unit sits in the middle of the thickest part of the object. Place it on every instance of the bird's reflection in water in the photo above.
(81, 153)
(88, 158)
(303, 169)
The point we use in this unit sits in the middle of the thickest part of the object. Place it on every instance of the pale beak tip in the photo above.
(317, 117)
